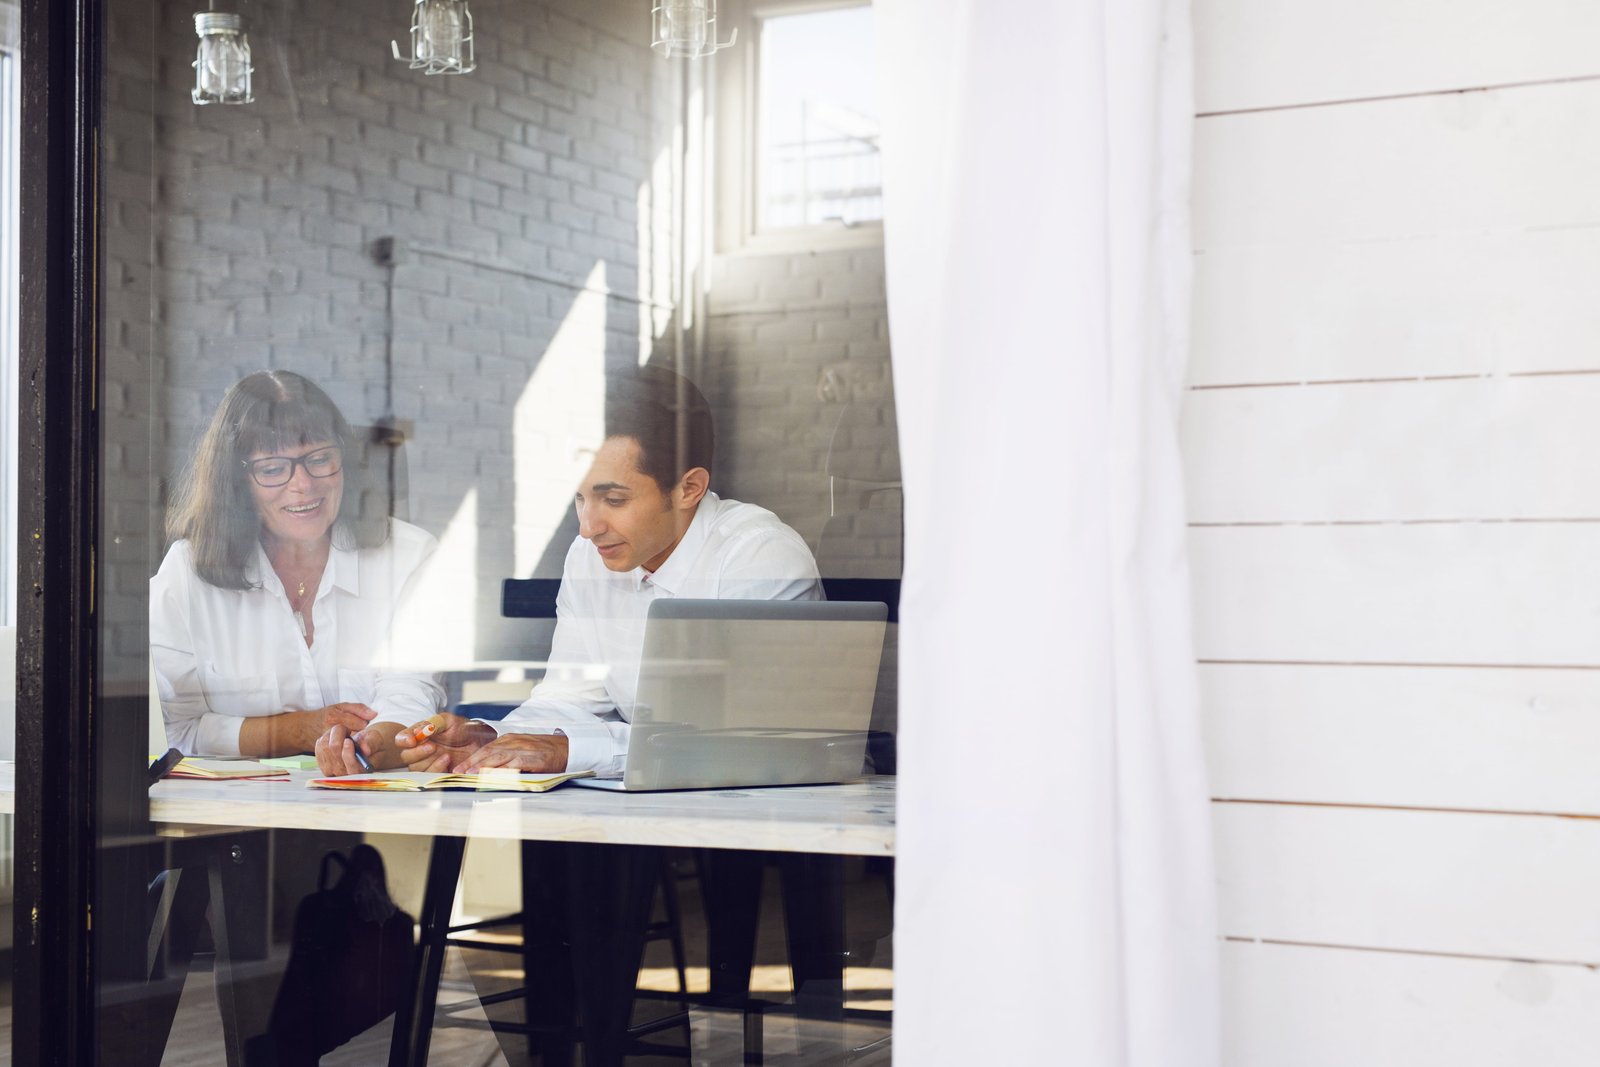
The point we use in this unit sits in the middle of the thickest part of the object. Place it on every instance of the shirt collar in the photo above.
(343, 564)
(669, 577)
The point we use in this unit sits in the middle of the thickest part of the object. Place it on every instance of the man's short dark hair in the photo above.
(668, 416)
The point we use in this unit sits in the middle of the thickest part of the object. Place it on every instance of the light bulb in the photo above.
(686, 25)
(441, 38)
(687, 28)
(222, 60)
(441, 31)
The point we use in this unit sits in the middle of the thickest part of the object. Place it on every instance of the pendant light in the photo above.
(441, 38)
(222, 60)
(687, 28)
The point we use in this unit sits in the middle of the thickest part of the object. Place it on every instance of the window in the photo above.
(817, 124)
(10, 119)
(799, 158)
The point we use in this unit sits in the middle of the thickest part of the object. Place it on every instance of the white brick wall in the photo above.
(794, 340)
(239, 238)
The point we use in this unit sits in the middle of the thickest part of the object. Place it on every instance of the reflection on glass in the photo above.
(222, 63)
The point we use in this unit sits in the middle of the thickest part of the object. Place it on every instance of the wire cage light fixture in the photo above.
(222, 60)
(441, 38)
(686, 28)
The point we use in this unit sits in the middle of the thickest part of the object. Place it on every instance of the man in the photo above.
(648, 527)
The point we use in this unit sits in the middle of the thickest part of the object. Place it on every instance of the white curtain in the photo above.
(1055, 900)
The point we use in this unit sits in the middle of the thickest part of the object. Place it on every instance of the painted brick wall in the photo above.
(798, 364)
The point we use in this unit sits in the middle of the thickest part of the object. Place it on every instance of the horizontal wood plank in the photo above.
(1459, 303)
(1496, 740)
(1465, 163)
(1478, 593)
(1485, 448)
(1512, 886)
(1265, 53)
(1313, 1007)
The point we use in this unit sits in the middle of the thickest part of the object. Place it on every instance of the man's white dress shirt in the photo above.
(731, 551)
(222, 655)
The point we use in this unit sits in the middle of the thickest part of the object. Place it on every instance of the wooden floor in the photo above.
(716, 1037)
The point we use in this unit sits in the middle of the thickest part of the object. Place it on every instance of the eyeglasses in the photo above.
(273, 471)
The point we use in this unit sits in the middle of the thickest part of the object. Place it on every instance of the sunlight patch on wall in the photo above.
(558, 423)
(439, 625)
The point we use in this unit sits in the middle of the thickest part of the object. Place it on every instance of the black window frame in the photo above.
(59, 791)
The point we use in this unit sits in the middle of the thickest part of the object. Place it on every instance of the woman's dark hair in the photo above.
(274, 412)
(668, 416)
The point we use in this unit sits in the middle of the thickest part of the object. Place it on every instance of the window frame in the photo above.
(737, 142)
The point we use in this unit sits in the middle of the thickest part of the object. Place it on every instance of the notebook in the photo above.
(221, 769)
(736, 693)
(490, 781)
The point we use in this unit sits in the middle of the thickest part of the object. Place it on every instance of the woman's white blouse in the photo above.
(223, 654)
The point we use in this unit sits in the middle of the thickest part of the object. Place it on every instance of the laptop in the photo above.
(737, 693)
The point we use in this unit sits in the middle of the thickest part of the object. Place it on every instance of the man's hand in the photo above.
(453, 740)
(523, 752)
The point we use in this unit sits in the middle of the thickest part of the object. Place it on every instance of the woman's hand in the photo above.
(452, 741)
(523, 752)
(336, 750)
(314, 724)
(293, 733)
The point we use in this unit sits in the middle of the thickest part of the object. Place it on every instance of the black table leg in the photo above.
(550, 1006)
(813, 907)
(730, 886)
(610, 890)
(413, 1022)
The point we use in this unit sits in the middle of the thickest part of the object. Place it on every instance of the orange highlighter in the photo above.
(426, 729)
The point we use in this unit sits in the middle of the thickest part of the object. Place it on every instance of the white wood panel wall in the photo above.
(1395, 509)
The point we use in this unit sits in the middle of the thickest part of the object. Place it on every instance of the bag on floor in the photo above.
(348, 964)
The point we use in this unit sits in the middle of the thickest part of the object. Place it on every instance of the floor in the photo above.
(716, 1037)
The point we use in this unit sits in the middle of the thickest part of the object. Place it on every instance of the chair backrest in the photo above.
(535, 598)
(529, 598)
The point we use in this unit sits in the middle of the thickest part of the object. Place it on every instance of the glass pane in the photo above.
(818, 120)
(380, 340)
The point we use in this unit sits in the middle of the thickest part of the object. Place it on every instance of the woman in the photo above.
(270, 618)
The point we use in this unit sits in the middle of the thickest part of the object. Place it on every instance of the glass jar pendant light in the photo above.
(687, 28)
(222, 61)
(441, 38)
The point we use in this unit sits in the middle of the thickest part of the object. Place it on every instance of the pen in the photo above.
(361, 757)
